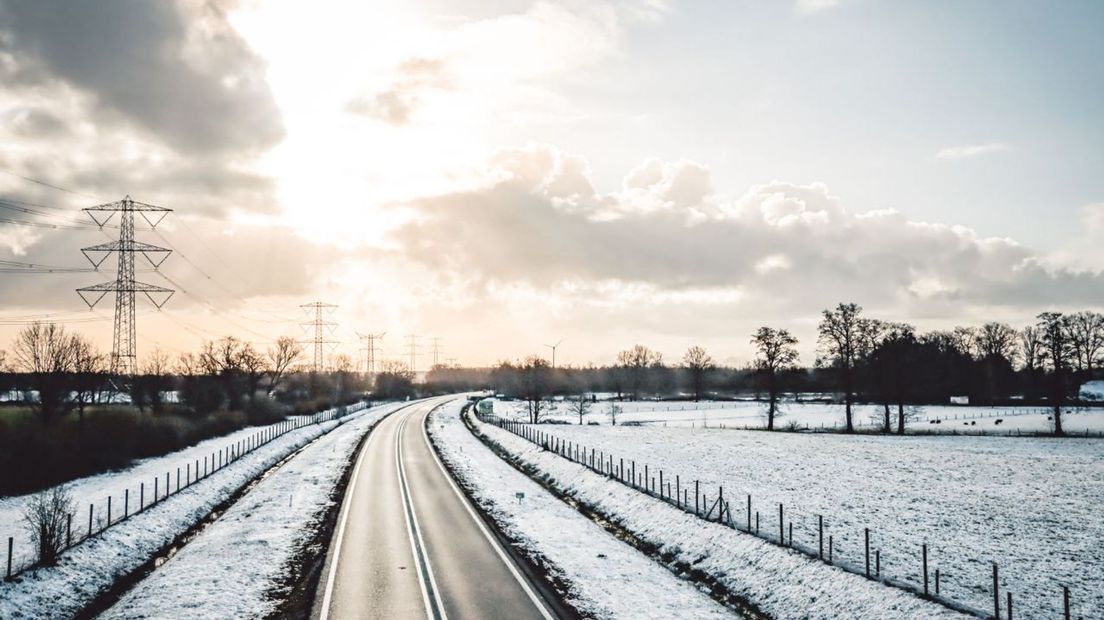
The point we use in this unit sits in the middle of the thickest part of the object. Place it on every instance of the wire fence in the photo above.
(147, 494)
(775, 524)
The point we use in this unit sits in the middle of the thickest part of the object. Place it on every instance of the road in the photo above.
(409, 545)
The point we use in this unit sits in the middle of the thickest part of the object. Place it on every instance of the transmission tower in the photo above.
(436, 350)
(412, 351)
(370, 349)
(321, 327)
(124, 356)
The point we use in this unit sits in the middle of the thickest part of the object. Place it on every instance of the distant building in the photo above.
(960, 400)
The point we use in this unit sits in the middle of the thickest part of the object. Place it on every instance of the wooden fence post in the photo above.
(878, 563)
(10, 542)
(108, 511)
(996, 593)
(866, 538)
(1065, 600)
(68, 530)
(91, 508)
(697, 506)
(820, 536)
(126, 503)
(781, 525)
(937, 582)
(924, 554)
(1008, 612)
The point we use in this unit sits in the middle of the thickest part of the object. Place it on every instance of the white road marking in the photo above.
(431, 595)
(537, 602)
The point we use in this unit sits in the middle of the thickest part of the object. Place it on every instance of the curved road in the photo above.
(409, 545)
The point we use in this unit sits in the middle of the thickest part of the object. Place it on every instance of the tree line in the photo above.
(860, 359)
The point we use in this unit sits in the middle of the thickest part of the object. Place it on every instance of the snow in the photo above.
(263, 532)
(97, 488)
(608, 579)
(1092, 390)
(89, 569)
(1030, 504)
(814, 416)
(780, 582)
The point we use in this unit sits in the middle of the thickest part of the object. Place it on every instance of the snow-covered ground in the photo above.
(234, 568)
(608, 579)
(1032, 505)
(747, 414)
(90, 568)
(114, 484)
(780, 582)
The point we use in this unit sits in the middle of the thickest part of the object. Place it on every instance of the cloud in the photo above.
(785, 247)
(809, 7)
(972, 150)
(396, 104)
(177, 70)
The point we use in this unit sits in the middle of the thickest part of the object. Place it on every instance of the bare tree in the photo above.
(890, 363)
(88, 366)
(841, 342)
(699, 364)
(47, 352)
(1086, 332)
(281, 357)
(996, 340)
(776, 353)
(252, 364)
(965, 339)
(45, 516)
(536, 387)
(614, 412)
(1057, 350)
(580, 403)
(187, 365)
(635, 363)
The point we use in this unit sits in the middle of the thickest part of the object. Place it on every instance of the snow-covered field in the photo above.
(90, 568)
(233, 569)
(746, 414)
(114, 484)
(1032, 505)
(780, 582)
(608, 579)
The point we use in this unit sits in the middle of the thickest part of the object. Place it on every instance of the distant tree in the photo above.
(635, 363)
(842, 332)
(1086, 334)
(580, 403)
(281, 357)
(892, 361)
(699, 364)
(253, 366)
(48, 353)
(89, 367)
(536, 387)
(776, 352)
(1058, 350)
(613, 410)
(1030, 352)
(965, 339)
(394, 380)
(996, 347)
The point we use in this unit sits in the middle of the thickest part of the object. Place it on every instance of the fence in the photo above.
(159, 489)
(750, 520)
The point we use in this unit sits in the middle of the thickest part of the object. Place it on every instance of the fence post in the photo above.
(781, 525)
(697, 507)
(996, 592)
(126, 503)
(141, 496)
(108, 511)
(820, 537)
(1065, 596)
(68, 530)
(829, 548)
(937, 582)
(924, 553)
(878, 563)
(11, 539)
(866, 539)
(166, 484)
(749, 513)
(91, 508)
(177, 479)
(1008, 612)
(791, 534)
(155, 493)
(756, 522)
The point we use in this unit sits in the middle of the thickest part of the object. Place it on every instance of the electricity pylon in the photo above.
(412, 350)
(436, 350)
(124, 345)
(370, 349)
(320, 327)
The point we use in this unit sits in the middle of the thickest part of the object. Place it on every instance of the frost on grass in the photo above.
(89, 569)
(605, 577)
(235, 567)
(1030, 504)
(780, 582)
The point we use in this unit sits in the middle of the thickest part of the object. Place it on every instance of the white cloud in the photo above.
(972, 150)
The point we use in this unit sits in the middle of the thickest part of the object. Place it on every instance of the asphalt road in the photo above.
(409, 545)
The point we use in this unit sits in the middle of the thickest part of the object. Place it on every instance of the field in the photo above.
(818, 416)
(1029, 504)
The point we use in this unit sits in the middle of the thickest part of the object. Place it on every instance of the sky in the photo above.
(504, 175)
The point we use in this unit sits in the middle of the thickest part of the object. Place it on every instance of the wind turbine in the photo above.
(553, 347)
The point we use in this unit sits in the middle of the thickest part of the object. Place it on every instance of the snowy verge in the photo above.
(779, 582)
(603, 577)
(88, 570)
(264, 532)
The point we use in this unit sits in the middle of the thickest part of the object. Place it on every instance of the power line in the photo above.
(50, 185)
